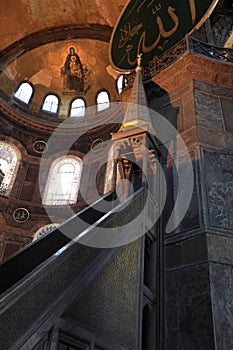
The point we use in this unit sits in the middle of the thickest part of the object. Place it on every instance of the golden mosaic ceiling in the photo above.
(35, 39)
(22, 17)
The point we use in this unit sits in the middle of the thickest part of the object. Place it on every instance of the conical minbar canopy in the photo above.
(137, 112)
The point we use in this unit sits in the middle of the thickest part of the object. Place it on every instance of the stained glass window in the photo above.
(63, 181)
(9, 162)
(44, 230)
(50, 104)
(24, 92)
(78, 108)
(102, 101)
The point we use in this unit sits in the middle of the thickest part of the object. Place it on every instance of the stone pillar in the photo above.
(199, 253)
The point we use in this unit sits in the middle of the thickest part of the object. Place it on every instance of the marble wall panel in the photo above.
(208, 112)
(189, 323)
(222, 304)
(218, 171)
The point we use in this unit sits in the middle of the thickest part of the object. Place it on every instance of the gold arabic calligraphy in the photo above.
(129, 31)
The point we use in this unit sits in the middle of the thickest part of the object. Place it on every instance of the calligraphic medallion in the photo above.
(40, 146)
(152, 27)
(21, 215)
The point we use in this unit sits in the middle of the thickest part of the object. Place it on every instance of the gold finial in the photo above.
(139, 61)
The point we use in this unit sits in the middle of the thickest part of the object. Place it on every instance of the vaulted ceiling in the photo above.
(36, 36)
(35, 41)
(22, 17)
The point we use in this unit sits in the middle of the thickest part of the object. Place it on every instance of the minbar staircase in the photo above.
(42, 280)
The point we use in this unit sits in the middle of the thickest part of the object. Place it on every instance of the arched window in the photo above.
(103, 101)
(50, 104)
(9, 162)
(24, 92)
(63, 181)
(121, 83)
(44, 230)
(78, 108)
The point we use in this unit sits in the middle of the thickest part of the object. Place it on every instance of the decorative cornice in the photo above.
(191, 66)
(173, 63)
(23, 121)
(94, 124)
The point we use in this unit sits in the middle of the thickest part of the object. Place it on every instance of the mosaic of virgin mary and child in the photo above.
(75, 74)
